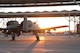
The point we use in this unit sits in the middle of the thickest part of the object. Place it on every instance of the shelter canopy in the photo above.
(40, 14)
(24, 3)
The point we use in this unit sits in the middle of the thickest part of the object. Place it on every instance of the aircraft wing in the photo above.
(2, 29)
(56, 27)
(43, 29)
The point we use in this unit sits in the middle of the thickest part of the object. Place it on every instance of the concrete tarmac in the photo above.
(50, 44)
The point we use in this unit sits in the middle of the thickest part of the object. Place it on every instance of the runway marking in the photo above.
(63, 50)
(46, 50)
(51, 50)
(4, 51)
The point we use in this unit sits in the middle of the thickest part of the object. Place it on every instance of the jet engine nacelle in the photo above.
(12, 24)
(31, 26)
(29, 23)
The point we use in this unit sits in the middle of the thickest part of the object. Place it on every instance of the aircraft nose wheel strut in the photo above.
(37, 37)
(13, 36)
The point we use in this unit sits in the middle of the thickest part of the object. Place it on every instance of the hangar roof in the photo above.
(24, 3)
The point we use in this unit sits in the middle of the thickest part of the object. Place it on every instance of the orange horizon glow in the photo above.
(41, 38)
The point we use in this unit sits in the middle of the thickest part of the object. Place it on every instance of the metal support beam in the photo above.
(79, 19)
(69, 25)
(74, 23)
(25, 25)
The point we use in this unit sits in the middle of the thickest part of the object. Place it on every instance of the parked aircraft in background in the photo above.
(14, 28)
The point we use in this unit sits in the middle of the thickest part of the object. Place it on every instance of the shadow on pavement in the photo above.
(30, 48)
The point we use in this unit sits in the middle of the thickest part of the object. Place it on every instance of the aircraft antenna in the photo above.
(37, 20)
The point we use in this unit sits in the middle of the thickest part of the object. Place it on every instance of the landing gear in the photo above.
(37, 36)
(15, 33)
(13, 36)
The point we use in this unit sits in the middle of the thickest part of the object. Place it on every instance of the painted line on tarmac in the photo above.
(4, 51)
(63, 50)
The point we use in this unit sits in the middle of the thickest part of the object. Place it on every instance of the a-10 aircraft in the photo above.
(14, 28)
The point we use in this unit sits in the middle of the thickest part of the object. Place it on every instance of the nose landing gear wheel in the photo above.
(13, 36)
